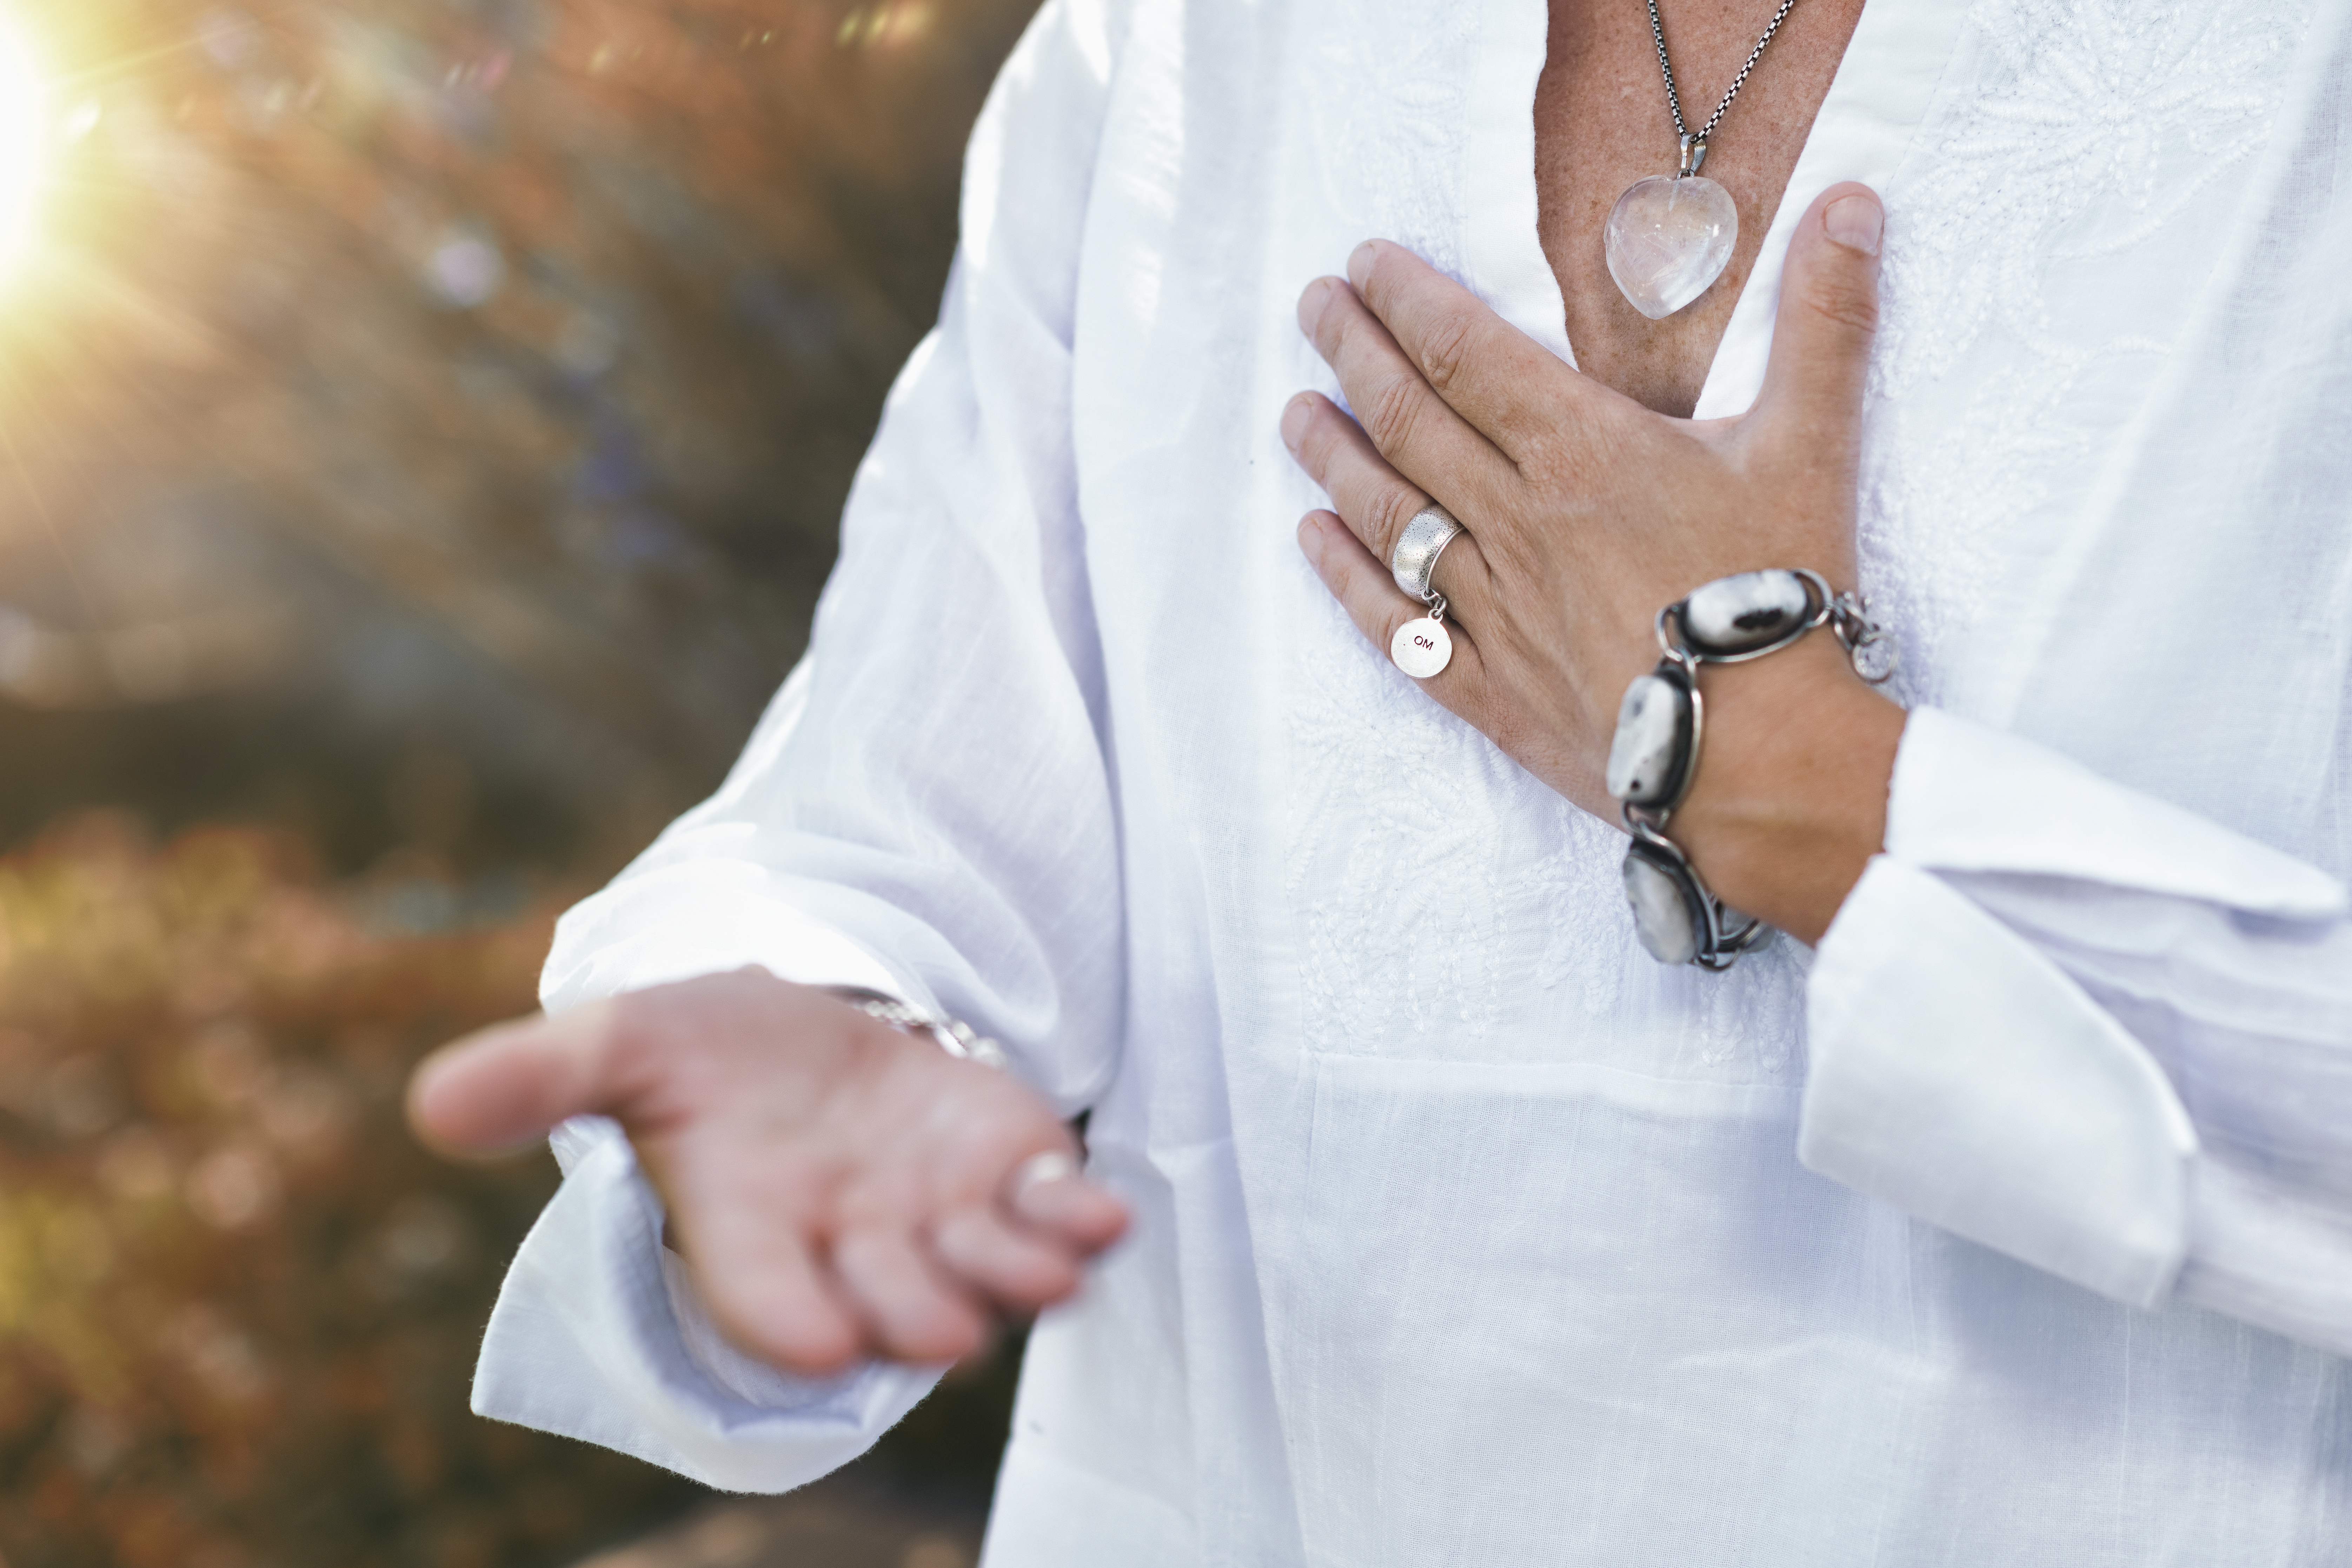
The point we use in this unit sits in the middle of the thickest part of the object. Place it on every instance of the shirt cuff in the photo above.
(1958, 1071)
(1957, 1074)
(2094, 1031)
(598, 1335)
(666, 924)
(1966, 798)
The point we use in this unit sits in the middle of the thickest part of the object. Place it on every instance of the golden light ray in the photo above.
(24, 141)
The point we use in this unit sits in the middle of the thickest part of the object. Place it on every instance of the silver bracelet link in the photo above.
(1653, 756)
(954, 1036)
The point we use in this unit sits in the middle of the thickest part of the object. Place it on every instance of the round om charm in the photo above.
(1422, 647)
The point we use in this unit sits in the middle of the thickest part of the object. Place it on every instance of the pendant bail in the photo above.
(1694, 155)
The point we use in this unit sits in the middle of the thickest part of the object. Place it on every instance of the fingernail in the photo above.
(1310, 537)
(1359, 264)
(1038, 1170)
(1311, 303)
(1294, 422)
(1855, 222)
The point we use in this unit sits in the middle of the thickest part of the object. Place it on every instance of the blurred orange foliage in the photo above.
(423, 423)
(238, 1307)
(548, 332)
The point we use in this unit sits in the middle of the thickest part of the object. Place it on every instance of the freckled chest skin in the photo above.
(1601, 123)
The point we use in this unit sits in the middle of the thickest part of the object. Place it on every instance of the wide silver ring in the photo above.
(1415, 559)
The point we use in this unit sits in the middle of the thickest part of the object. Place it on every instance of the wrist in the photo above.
(1789, 800)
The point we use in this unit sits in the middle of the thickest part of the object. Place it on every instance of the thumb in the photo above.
(502, 1088)
(1829, 316)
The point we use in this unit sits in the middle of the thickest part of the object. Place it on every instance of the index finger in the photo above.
(1503, 382)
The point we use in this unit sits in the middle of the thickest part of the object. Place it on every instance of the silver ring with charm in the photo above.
(1414, 562)
(1422, 647)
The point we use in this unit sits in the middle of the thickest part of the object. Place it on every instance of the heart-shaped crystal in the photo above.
(1669, 239)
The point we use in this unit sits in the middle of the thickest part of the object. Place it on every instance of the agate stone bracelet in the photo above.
(1655, 754)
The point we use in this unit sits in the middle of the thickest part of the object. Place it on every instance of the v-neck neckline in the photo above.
(1864, 131)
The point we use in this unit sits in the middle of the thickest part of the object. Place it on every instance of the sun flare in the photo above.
(24, 136)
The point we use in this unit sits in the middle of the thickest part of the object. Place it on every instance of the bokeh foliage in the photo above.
(468, 386)
(423, 429)
(238, 1307)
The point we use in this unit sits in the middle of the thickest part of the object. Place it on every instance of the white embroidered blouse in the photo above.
(2012, 1226)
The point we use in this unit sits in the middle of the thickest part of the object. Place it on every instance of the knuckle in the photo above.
(1545, 456)
(1392, 412)
(1444, 347)
(1844, 300)
(1393, 507)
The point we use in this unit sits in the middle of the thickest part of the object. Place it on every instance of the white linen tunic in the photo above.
(2014, 1226)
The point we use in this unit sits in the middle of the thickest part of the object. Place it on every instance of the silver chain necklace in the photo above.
(1670, 236)
(1673, 99)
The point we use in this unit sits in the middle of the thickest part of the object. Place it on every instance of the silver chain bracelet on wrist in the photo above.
(954, 1036)
(1653, 756)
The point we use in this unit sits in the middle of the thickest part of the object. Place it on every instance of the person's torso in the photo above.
(1532, 1274)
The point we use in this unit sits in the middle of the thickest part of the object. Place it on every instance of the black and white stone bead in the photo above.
(1650, 755)
(1669, 913)
(1747, 613)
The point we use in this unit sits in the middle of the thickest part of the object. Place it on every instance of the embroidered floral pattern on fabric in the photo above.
(2096, 132)
(1450, 904)
(1389, 123)
(1395, 855)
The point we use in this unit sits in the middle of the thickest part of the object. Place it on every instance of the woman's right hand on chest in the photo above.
(841, 1189)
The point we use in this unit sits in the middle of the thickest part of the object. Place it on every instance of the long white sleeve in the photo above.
(2096, 1032)
(924, 810)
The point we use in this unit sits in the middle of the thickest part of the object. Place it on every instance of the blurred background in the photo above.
(423, 429)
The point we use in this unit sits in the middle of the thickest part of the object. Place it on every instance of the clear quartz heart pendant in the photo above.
(1669, 238)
